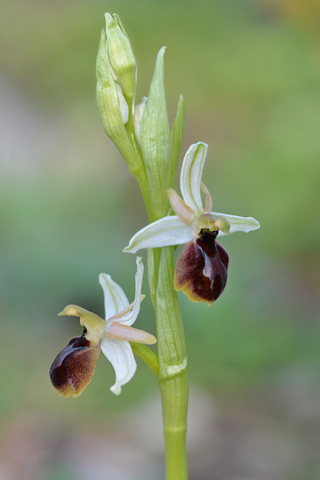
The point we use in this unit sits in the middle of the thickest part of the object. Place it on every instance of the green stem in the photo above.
(171, 366)
(174, 394)
(173, 382)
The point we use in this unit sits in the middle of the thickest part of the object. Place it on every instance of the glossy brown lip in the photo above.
(73, 368)
(202, 269)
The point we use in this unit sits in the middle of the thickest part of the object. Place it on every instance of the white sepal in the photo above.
(130, 317)
(120, 355)
(162, 233)
(115, 299)
(238, 224)
(191, 174)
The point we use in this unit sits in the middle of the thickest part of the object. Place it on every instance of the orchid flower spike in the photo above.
(73, 368)
(201, 270)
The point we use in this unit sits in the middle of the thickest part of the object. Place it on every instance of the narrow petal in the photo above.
(120, 355)
(162, 233)
(184, 212)
(120, 331)
(238, 224)
(191, 174)
(208, 206)
(124, 311)
(130, 317)
(114, 297)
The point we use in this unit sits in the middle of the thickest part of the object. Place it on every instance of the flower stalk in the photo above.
(160, 151)
(143, 137)
(173, 380)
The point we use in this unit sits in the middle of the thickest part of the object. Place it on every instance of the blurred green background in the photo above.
(249, 72)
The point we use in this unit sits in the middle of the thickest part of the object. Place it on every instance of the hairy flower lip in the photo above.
(202, 268)
(73, 367)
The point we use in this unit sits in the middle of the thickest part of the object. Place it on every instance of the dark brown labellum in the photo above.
(201, 270)
(74, 366)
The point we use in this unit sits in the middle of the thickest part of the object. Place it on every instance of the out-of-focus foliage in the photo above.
(249, 72)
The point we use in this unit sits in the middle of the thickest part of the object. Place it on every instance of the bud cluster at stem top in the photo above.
(142, 134)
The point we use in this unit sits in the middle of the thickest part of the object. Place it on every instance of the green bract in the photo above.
(155, 139)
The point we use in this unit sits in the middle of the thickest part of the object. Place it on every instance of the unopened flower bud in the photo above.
(111, 102)
(121, 56)
(113, 107)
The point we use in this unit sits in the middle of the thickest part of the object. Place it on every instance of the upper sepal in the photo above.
(191, 174)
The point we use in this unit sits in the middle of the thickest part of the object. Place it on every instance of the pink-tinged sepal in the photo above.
(120, 331)
(202, 269)
(184, 212)
(73, 367)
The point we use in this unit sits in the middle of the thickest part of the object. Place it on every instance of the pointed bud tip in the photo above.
(160, 59)
(108, 18)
